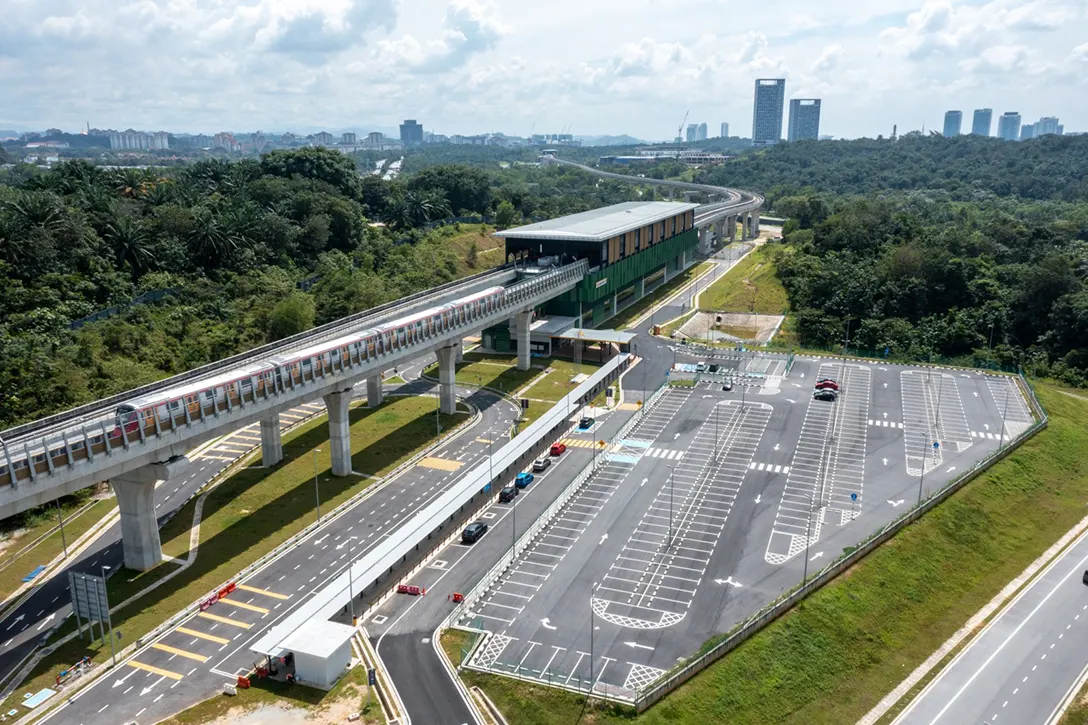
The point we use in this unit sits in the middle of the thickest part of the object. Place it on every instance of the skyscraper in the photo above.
(725, 129)
(983, 122)
(411, 133)
(1047, 125)
(693, 132)
(1008, 126)
(804, 119)
(953, 123)
(700, 133)
(767, 111)
(1027, 131)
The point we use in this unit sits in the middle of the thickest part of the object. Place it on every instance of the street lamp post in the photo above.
(60, 522)
(990, 344)
(672, 496)
(317, 491)
(591, 637)
(109, 620)
(1001, 442)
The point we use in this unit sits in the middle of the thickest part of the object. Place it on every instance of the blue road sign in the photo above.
(853, 497)
(936, 445)
(886, 351)
(371, 677)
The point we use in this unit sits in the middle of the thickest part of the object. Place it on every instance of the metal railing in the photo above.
(650, 694)
(65, 447)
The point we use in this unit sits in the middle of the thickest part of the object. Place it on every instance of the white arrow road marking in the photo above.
(603, 537)
(797, 385)
(885, 416)
(802, 376)
(122, 680)
(638, 646)
(546, 623)
(16, 620)
(46, 621)
(676, 436)
(318, 541)
(791, 400)
(885, 385)
(729, 581)
(707, 396)
(885, 461)
(976, 393)
(776, 446)
(151, 687)
(950, 469)
(816, 556)
(986, 426)
(759, 497)
(895, 503)
(884, 369)
(643, 482)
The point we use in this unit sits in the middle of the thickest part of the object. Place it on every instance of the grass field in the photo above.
(762, 294)
(461, 237)
(490, 371)
(1077, 714)
(254, 511)
(837, 654)
(12, 572)
(627, 317)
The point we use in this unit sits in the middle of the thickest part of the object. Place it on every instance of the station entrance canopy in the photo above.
(614, 337)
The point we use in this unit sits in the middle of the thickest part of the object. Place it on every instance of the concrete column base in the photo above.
(339, 431)
(460, 351)
(731, 222)
(136, 500)
(521, 325)
(271, 443)
(374, 392)
(447, 379)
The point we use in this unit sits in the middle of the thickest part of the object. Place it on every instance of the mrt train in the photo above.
(165, 409)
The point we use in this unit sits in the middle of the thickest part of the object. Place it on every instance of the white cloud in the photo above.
(828, 60)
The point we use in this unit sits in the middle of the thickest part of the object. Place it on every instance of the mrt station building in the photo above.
(632, 248)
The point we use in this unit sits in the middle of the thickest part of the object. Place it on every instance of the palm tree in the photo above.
(130, 241)
(132, 182)
(209, 242)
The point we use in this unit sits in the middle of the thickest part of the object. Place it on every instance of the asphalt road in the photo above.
(194, 659)
(1020, 668)
(702, 515)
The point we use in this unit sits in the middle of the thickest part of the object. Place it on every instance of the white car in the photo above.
(541, 463)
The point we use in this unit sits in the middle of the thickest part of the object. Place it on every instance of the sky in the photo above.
(515, 66)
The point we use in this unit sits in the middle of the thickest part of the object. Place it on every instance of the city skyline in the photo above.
(368, 64)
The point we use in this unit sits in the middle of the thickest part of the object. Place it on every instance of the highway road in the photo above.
(191, 661)
(1021, 667)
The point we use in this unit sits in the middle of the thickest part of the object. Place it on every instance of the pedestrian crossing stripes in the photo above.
(986, 434)
(577, 443)
(768, 468)
(441, 464)
(663, 453)
(885, 424)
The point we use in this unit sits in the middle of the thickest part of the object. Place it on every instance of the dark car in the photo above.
(473, 532)
(586, 423)
(826, 384)
(829, 395)
(508, 494)
(714, 369)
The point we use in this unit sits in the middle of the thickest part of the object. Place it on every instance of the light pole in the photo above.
(591, 637)
(1001, 442)
(317, 491)
(672, 496)
(60, 522)
(109, 620)
(990, 344)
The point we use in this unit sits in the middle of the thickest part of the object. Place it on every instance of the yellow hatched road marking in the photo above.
(215, 458)
(224, 620)
(255, 590)
(179, 652)
(154, 670)
(484, 440)
(577, 443)
(202, 635)
(440, 463)
(243, 605)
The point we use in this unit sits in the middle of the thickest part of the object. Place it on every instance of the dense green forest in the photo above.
(969, 168)
(249, 252)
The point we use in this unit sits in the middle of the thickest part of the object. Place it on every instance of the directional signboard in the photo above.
(88, 596)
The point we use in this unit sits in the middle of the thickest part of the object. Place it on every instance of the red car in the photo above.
(558, 448)
(827, 384)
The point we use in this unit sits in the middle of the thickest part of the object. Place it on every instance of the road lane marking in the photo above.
(255, 590)
(250, 607)
(179, 652)
(224, 620)
(154, 670)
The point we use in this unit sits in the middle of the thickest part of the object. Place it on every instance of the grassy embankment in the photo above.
(461, 238)
(250, 514)
(751, 287)
(837, 654)
(51, 544)
(627, 317)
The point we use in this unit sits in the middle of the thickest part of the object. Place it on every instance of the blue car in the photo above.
(523, 480)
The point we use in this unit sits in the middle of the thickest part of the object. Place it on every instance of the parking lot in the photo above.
(717, 500)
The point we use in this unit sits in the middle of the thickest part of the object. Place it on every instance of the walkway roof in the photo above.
(614, 336)
(598, 225)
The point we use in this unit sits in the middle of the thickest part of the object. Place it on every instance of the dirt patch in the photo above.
(730, 327)
(262, 715)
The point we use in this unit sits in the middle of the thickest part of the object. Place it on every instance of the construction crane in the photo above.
(680, 128)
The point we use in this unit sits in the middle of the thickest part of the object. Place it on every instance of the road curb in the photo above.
(973, 626)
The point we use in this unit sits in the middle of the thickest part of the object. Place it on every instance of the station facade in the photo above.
(632, 249)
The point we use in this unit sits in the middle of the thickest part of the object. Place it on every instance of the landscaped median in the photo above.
(835, 655)
(249, 514)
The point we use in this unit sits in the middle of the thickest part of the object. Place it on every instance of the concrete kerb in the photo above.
(253, 568)
(670, 681)
(393, 710)
(969, 630)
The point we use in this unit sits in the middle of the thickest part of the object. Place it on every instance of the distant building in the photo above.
(1008, 126)
(700, 133)
(160, 141)
(411, 133)
(693, 132)
(227, 142)
(725, 129)
(767, 111)
(953, 123)
(804, 119)
(129, 140)
(347, 139)
(826, 137)
(1027, 131)
(322, 138)
(983, 122)
(1048, 126)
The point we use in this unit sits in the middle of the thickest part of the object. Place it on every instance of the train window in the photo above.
(77, 446)
(209, 394)
(175, 404)
(21, 463)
